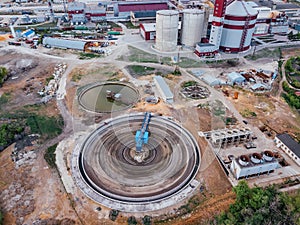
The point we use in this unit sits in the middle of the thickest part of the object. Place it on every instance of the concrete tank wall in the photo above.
(192, 26)
(166, 30)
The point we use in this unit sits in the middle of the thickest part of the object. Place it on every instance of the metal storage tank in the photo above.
(166, 30)
(238, 28)
(192, 26)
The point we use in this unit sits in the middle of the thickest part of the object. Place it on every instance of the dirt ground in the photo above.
(272, 113)
(31, 192)
(27, 76)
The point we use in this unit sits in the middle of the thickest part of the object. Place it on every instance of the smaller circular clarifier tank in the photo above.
(166, 30)
(192, 27)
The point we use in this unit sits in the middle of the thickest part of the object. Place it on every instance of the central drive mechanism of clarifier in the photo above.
(109, 169)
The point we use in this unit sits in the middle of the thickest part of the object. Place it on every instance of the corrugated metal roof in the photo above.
(234, 77)
(287, 140)
(63, 43)
(258, 85)
(164, 87)
(74, 6)
(210, 80)
(127, 7)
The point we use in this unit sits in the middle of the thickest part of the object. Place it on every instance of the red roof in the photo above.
(142, 7)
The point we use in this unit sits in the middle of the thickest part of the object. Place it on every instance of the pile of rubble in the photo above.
(49, 91)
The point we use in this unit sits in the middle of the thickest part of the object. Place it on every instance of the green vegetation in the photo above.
(113, 214)
(189, 83)
(261, 206)
(4, 99)
(294, 37)
(265, 53)
(191, 204)
(137, 55)
(129, 25)
(189, 63)
(248, 114)
(141, 70)
(131, 220)
(3, 75)
(292, 70)
(50, 156)
(83, 55)
(48, 127)
(146, 220)
(176, 72)
(290, 97)
(8, 132)
(77, 77)
(1, 218)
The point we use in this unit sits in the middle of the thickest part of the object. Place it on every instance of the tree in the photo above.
(261, 206)
(3, 74)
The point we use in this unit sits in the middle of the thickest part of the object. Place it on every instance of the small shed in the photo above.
(235, 78)
(148, 31)
(259, 87)
(211, 80)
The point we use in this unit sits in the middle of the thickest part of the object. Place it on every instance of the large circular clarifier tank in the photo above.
(238, 28)
(192, 26)
(109, 171)
(166, 30)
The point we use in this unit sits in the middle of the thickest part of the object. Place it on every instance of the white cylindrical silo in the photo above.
(238, 28)
(192, 26)
(166, 30)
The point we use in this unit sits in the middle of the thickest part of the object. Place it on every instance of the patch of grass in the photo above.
(4, 99)
(265, 53)
(77, 77)
(189, 63)
(248, 113)
(137, 55)
(50, 156)
(141, 70)
(48, 127)
(189, 83)
(129, 25)
(83, 55)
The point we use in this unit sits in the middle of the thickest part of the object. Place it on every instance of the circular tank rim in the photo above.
(89, 87)
(167, 12)
(193, 11)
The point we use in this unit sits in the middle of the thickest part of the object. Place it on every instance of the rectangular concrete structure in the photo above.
(226, 137)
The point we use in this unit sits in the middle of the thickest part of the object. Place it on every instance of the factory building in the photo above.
(125, 8)
(163, 89)
(166, 30)
(148, 31)
(63, 43)
(76, 8)
(253, 165)
(95, 14)
(289, 146)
